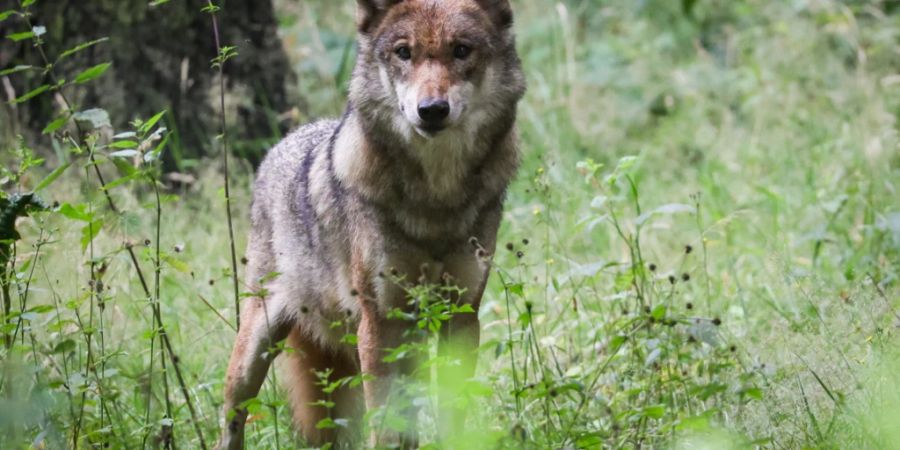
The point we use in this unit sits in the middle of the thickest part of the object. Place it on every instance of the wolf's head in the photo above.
(426, 66)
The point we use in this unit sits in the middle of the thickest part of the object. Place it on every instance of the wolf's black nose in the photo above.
(433, 111)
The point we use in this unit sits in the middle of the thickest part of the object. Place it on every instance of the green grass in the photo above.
(761, 134)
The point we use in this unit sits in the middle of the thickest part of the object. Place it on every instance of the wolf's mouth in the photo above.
(430, 130)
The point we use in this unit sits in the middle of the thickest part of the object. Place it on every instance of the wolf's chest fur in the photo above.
(329, 190)
(430, 191)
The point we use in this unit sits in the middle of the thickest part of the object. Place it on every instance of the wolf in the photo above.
(409, 183)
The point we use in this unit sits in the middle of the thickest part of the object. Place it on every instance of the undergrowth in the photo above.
(701, 250)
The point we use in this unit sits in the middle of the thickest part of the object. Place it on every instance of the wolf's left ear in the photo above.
(499, 11)
(370, 12)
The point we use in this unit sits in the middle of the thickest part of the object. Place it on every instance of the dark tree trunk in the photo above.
(161, 59)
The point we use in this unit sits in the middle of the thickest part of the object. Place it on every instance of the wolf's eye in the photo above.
(403, 53)
(461, 51)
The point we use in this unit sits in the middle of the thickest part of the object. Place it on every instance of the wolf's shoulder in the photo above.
(282, 161)
(290, 150)
(309, 135)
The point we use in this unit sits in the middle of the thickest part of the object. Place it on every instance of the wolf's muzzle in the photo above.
(433, 111)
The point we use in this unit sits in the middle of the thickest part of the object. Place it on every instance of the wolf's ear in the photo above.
(499, 11)
(370, 12)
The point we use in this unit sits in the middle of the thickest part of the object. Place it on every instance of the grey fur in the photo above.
(338, 202)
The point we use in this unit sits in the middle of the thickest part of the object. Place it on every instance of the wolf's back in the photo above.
(273, 217)
(279, 168)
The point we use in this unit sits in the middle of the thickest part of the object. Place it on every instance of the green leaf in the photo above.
(616, 343)
(322, 403)
(326, 423)
(517, 288)
(658, 312)
(123, 144)
(176, 263)
(753, 393)
(705, 391)
(28, 3)
(49, 179)
(91, 73)
(41, 309)
(16, 69)
(124, 166)
(31, 94)
(154, 155)
(16, 37)
(592, 440)
(75, 212)
(395, 421)
(654, 411)
(6, 14)
(64, 346)
(148, 125)
(89, 232)
(121, 180)
(55, 125)
(80, 47)
(358, 380)
(625, 163)
(700, 422)
(524, 319)
(687, 7)
(225, 53)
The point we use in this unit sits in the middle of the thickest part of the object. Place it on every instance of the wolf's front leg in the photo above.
(458, 344)
(377, 335)
(262, 326)
(371, 342)
(373, 339)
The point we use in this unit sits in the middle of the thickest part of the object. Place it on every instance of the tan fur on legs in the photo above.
(250, 360)
(301, 362)
(376, 334)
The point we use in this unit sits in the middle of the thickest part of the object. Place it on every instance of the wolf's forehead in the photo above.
(443, 5)
(434, 21)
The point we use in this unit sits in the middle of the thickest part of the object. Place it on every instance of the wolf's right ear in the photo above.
(370, 12)
(499, 11)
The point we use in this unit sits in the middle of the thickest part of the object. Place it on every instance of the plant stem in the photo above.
(234, 276)
(170, 436)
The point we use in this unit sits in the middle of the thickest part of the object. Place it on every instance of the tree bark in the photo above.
(161, 59)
